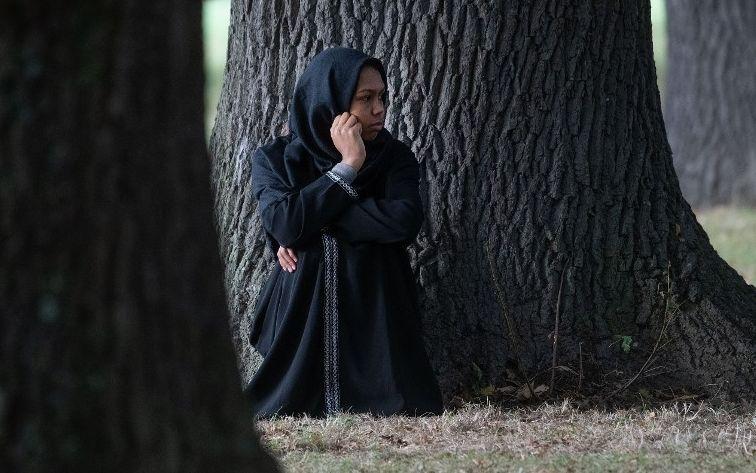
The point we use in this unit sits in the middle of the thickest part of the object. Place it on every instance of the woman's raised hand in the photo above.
(287, 258)
(346, 133)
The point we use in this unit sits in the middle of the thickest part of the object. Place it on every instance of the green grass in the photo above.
(732, 232)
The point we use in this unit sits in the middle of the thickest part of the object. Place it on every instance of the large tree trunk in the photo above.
(548, 179)
(116, 349)
(710, 99)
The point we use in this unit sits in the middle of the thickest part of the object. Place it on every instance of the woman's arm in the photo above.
(291, 217)
(395, 218)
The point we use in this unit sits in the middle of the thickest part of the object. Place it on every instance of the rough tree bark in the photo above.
(709, 99)
(116, 349)
(545, 166)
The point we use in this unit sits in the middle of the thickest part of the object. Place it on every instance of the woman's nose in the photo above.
(378, 108)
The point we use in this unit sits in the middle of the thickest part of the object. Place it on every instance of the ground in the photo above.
(677, 437)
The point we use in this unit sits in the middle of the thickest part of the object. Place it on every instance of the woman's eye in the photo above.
(366, 98)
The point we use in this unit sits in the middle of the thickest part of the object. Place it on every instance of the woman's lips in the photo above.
(376, 126)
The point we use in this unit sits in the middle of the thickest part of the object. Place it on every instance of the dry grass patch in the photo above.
(547, 437)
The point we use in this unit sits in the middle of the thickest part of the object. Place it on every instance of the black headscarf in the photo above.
(323, 91)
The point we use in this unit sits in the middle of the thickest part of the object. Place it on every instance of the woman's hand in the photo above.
(287, 258)
(346, 133)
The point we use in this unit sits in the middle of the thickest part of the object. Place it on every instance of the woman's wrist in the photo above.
(345, 170)
(353, 163)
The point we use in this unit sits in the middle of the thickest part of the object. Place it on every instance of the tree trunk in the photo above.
(547, 178)
(709, 99)
(116, 354)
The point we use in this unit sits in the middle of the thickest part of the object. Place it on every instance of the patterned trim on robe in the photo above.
(344, 184)
(331, 308)
(331, 323)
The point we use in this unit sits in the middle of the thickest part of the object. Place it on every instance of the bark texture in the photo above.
(709, 100)
(116, 350)
(546, 174)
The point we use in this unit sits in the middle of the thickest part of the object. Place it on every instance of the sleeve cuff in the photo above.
(345, 171)
(343, 183)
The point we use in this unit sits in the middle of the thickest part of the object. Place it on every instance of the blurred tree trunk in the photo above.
(116, 348)
(547, 177)
(710, 99)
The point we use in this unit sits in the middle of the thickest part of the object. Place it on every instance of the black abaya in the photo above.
(342, 332)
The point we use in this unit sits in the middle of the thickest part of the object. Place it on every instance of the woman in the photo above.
(337, 323)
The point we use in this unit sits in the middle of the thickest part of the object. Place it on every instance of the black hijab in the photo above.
(323, 91)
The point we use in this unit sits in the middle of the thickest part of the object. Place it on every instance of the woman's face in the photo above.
(367, 102)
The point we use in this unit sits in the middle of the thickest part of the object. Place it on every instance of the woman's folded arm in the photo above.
(397, 217)
(291, 217)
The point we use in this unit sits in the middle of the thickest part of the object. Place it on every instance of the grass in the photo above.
(678, 436)
(732, 232)
(473, 462)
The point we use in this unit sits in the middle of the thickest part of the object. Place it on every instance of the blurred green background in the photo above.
(215, 20)
(732, 230)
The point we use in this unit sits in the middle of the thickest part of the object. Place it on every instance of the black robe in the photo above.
(342, 332)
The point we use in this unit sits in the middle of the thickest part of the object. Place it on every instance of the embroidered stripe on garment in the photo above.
(344, 184)
(331, 335)
(331, 308)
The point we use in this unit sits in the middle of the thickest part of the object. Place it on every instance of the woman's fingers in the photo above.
(282, 261)
(335, 123)
(343, 122)
(357, 128)
(346, 136)
(340, 120)
(352, 120)
(346, 118)
(292, 254)
(346, 123)
(285, 259)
